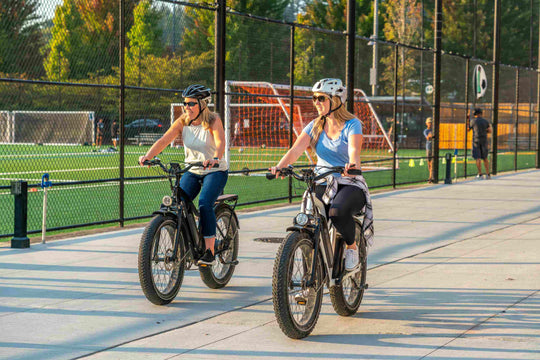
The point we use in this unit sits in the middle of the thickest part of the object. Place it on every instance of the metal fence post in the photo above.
(437, 89)
(538, 107)
(495, 86)
(394, 121)
(20, 190)
(219, 60)
(122, 36)
(448, 178)
(291, 100)
(517, 122)
(349, 66)
(467, 68)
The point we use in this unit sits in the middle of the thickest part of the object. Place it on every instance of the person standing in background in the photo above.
(114, 132)
(480, 149)
(100, 129)
(428, 134)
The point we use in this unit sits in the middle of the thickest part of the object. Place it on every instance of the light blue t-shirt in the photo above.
(335, 152)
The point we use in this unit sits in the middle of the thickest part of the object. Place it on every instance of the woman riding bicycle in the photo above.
(204, 141)
(336, 136)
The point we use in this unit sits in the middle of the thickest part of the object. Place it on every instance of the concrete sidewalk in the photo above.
(453, 275)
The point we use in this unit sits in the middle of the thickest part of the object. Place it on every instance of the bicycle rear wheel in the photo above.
(296, 305)
(347, 296)
(161, 272)
(219, 274)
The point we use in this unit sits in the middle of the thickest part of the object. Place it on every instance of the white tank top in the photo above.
(199, 145)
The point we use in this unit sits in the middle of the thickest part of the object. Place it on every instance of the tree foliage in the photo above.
(402, 24)
(20, 38)
(84, 38)
(144, 38)
(317, 53)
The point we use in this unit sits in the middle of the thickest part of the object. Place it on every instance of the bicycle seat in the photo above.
(226, 197)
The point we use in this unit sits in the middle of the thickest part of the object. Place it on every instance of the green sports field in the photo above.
(98, 202)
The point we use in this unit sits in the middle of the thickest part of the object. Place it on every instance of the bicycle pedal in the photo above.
(300, 300)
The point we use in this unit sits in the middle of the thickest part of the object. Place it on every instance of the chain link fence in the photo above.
(70, 108)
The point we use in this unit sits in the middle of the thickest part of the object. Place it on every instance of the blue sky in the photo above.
(47, 7)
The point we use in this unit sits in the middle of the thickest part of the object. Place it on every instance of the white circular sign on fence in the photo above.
(429, 89)
(479, 81)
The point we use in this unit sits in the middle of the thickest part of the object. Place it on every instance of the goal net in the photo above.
(6, 127)
(257, 116)
(52, 127)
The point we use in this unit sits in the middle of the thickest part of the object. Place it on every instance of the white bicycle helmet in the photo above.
(332, 87)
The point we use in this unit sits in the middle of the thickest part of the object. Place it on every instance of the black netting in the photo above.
(60, 95)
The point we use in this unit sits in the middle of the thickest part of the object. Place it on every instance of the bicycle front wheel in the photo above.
(161, 271)
(296, 305)
(347, 296)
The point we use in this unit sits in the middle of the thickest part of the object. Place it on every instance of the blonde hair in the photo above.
(207, 117)
(341, 115)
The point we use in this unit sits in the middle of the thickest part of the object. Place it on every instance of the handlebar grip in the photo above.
(148, 162)
(355, 172)
(270, 176)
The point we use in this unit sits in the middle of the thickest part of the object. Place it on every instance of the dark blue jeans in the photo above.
(210, 186)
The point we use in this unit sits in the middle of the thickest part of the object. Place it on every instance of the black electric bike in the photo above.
(311, 256)
(172, 242)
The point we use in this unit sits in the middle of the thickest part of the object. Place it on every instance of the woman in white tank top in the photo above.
(204, 141)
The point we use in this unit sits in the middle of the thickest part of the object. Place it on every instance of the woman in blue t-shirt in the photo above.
(336, 136)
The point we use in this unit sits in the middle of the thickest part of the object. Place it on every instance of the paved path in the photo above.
(453, 275)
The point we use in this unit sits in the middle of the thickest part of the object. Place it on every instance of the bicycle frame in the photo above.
(185, 211)
(324, 236)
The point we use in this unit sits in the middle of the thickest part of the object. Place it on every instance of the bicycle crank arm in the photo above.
(235, 262)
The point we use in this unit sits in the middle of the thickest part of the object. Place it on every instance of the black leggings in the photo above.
(349, 200)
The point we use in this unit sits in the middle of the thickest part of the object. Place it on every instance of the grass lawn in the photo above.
(88, 203)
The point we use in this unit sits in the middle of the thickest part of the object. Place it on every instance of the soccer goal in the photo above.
(6, 127)
(257, 116)
(48, 127)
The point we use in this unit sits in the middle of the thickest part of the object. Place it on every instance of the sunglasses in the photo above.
(190, 104)
(320, 98)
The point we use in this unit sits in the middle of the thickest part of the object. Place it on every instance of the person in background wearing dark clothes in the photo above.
(480, 149)
(100, 131)
(114, 132)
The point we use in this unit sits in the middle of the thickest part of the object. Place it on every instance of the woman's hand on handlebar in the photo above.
(210, 163)
(352, 168)
(274, 170)
(142, 159)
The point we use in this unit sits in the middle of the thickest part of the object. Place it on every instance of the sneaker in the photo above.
(351, 259)
(207, 259)
(479, 177)
(488, 177)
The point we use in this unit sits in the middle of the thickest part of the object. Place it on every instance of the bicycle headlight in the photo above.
(167, 200)
(301, 219)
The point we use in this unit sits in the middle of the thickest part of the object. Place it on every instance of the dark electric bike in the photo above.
(172, 242)
(311, 256)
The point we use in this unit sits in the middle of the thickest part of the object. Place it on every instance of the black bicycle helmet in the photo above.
(197, 91)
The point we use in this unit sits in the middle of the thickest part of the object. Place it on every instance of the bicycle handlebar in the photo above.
(174, 168)
(289, 171)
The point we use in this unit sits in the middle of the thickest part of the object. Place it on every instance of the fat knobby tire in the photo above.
(207, 274)
(280, 287)
(145, 263)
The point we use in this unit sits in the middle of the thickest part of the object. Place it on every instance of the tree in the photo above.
(403, 25)
(20, 38)
(254, 49)
(84, 38)
(316, 52)
(144, 37)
